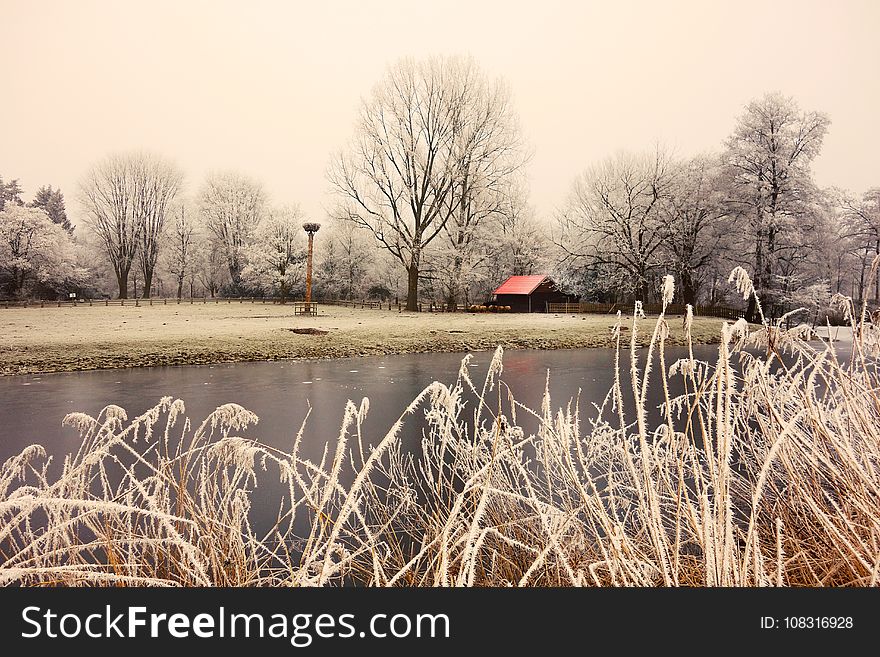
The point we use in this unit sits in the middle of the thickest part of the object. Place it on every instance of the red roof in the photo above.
(520, 284)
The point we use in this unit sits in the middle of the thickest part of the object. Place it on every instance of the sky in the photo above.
(272, 88)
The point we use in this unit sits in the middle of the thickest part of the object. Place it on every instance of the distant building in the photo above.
(530, 294)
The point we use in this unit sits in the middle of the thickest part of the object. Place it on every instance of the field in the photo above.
(83, 338)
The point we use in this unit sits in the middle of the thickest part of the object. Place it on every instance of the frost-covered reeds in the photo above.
(764, 472)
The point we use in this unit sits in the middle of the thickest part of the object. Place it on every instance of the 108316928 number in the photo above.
(817, 622)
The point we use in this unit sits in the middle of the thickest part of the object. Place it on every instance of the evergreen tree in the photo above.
(10, 193)
(52, 202)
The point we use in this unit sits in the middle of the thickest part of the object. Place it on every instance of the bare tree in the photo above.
(107, 195)
(232, 205)
(692, 223)
(156, 185)
(277, 255)
(768, 161)
(125, 198)
(611, 226)
(181, 247)
(862, 220)
(490, 152)
(346, 259)
(520, 243)
(210, 263)
(399, 177)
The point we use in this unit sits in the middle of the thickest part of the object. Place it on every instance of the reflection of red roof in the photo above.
(520, 284)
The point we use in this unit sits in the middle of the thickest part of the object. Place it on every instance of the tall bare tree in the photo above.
(277, 255)
(399, 177)
(232, 205)
(490, 152)
(862, 217)
(125, 198)
(181, 246)
(157, 183)
(768, 162)
(692, 222)
(611, 227)
(210, 264)
(346, 259)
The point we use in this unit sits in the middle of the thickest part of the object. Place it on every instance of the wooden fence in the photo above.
(70, 303)
(424, 306)
(649, 309)
(428, 306)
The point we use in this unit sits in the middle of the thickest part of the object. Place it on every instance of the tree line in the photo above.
(432, 203)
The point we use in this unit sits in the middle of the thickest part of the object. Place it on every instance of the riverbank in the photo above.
(39, 340)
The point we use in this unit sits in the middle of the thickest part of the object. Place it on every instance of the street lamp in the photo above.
(311, 228)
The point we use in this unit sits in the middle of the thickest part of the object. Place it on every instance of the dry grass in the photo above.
(82, 338)
(766, 472)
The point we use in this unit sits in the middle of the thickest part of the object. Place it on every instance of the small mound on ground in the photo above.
(309, 331)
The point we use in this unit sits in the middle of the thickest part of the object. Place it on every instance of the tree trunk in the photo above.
(452, 297)
(877, 282)
(18, 278)
(752, 310)
(412, 286)
(688, 289)
(862, 277)
(122, 281)
(148, 284)
(180, 288)
(766, 299)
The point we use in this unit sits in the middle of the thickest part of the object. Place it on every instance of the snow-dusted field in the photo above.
(62, 339)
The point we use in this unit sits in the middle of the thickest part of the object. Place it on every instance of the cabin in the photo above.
(530, 294)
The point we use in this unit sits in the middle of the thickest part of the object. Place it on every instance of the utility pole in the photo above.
(311, 229)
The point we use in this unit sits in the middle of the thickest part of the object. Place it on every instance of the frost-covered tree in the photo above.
(276, 256)
(180, 250)
(767, 164)
(490, 151)
(232, 205)
(611, 227)
(211, 266)
(520, 243)
(347, 258)
(861, 217)
(10, 193)
(693, 223)
(157, 184)
(34, 250)
(409, 158)
(125, 198)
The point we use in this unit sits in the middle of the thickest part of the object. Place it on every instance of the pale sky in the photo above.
(272, 88)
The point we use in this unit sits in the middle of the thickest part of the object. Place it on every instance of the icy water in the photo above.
(281, 392)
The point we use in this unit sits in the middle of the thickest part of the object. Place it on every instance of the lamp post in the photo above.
(310, 228)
